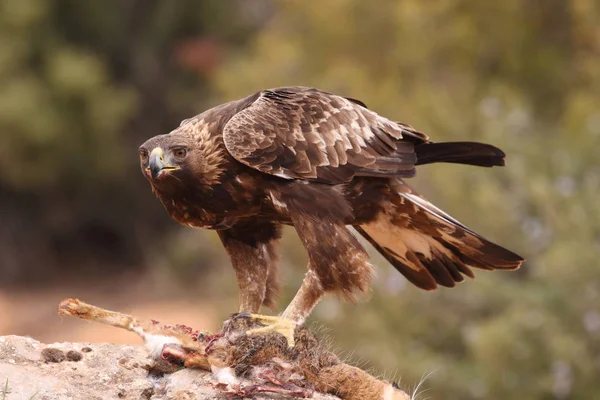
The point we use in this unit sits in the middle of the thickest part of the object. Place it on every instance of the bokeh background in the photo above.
(83, 83)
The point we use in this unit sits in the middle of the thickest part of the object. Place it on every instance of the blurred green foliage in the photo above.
(82, 85)
(84, 82)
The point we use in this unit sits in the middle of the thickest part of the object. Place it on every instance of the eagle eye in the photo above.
(180, 153)
(143, 155)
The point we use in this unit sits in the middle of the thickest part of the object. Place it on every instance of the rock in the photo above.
(50, 354)
(95, 371)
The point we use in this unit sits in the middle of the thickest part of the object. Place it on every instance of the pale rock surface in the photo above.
(105, 371)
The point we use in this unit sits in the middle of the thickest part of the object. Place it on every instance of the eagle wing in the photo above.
(303, 133)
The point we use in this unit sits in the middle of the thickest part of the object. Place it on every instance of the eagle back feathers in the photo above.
(309, 134)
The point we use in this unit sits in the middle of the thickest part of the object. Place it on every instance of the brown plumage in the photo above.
(317, 161)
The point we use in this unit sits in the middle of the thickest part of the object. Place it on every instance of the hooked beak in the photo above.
(157, 164)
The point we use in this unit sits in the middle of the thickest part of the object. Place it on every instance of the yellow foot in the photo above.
(284, 326)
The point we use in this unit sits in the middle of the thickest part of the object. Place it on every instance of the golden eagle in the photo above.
(319, 162)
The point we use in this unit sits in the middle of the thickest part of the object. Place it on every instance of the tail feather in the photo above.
(419, 276)
(471, 153)
(429, 247)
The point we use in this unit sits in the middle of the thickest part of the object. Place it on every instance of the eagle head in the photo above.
(190, 156)
(164, 157)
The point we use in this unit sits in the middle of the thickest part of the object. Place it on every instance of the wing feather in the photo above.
(427, 245)
(303, 133)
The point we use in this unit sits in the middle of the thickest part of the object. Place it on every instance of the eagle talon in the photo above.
(284, 326)
(241, 315)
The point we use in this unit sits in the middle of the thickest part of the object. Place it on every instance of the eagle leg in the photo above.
(307, 297)
(251, 246)
(304, 301)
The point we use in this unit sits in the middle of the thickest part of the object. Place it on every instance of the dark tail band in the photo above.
(471, 153)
